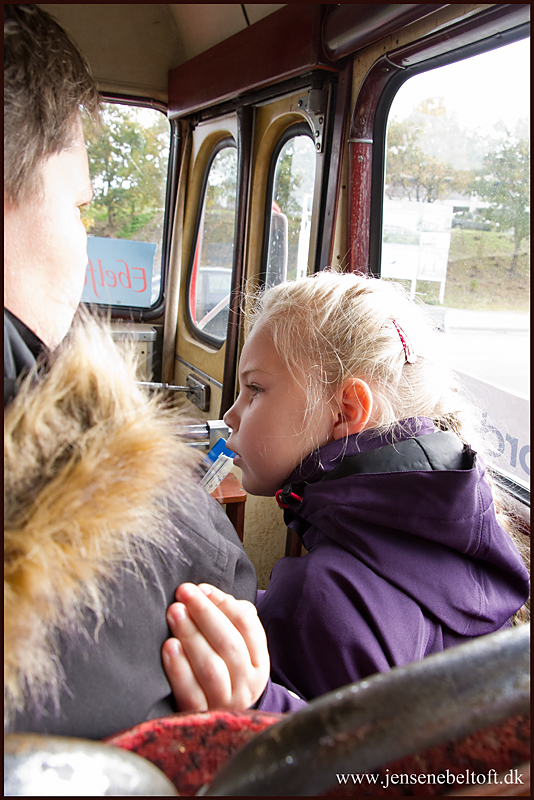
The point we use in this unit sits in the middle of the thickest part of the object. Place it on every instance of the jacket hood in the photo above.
(90, 465)
(427, 525)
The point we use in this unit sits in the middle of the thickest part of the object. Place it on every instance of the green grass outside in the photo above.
(479, 274)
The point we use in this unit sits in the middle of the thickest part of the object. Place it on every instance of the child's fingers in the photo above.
(224, 643)
(244, 617)
(208, 668)
(241, 646)
(185, 688)
(231, 626)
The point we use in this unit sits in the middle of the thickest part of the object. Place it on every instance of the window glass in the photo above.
(456, 227)
(128, 167)
(291, 207)
(211, 273)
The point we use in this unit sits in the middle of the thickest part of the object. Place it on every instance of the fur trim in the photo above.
(88, 464)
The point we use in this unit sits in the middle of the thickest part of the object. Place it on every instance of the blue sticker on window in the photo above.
(119, 272)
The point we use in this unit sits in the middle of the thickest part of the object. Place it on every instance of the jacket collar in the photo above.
(328, 458)
(22, 348)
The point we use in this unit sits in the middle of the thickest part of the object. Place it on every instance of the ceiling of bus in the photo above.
(132, 46)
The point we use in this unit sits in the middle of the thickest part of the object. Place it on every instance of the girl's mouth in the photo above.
(229, 446)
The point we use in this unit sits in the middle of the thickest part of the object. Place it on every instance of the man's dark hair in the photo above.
(47, 82)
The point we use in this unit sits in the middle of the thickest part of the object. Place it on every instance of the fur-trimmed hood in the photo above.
(89, 464)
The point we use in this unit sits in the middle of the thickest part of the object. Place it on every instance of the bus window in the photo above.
(213, 252)
(292, 178)
(456, 227)
(128, 167)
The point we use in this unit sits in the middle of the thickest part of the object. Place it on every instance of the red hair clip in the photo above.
(409, 352)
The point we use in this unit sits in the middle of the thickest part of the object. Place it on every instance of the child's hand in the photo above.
(219, 658)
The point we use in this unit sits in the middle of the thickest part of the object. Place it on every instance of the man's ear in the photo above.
(9, 205)
(354, 405)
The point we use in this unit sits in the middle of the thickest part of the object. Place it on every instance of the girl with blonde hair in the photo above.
(347, 414)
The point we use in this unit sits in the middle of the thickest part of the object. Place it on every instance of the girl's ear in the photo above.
(354, 405)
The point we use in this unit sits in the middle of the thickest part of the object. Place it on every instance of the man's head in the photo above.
(47, 83)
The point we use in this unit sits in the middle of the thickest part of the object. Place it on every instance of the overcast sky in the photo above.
(482, 90)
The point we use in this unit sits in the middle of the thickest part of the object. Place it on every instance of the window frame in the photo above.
(245, 107)
(134, 313)
(291, 132)
(222, 144)
(385, 94)
(382, 109)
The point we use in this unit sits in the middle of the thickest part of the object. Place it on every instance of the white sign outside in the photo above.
(416, 241)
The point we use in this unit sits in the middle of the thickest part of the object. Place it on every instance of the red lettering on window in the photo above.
(111, 275)
(92, 273)
(125, 274)
(142, 278)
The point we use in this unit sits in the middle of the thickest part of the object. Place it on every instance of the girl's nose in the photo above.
(231, 418)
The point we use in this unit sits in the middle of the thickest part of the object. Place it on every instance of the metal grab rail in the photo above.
(164, 386)
(197, 390)
(369, 724)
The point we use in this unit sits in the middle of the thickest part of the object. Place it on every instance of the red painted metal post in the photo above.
(360, 160)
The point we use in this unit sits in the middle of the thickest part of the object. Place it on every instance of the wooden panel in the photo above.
(231, 494)
(284, 45)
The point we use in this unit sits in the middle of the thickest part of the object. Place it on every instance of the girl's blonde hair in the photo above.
(333, 326)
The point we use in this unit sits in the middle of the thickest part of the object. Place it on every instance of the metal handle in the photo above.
(197, 391)
(362, 727)
(207, 434)
(166, 386)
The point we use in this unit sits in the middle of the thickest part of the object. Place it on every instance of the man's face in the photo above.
(46, 245)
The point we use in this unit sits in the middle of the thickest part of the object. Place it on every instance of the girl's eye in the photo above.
(255, 390)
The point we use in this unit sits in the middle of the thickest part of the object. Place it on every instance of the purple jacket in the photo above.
(405, 558)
